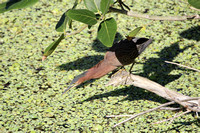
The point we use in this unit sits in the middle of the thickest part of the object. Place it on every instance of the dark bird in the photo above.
(120, 54)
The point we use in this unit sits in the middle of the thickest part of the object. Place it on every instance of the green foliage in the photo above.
(106, 31)
(105, 4)
(134, 32)
(194, 3)
(96, 10)
(62, 23)
(82, 15)
(3, 7)
(16, 4)
(93, 5)
(53, 46)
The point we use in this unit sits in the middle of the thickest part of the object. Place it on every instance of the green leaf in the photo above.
(82, 15)
(61, 25)
(70, 23)
(3, 7)
(105, 4)
(49, 50)
(112, 2)
(134, 32)
(106, 31)
(92, 5)
(16, 4)
(194, 3)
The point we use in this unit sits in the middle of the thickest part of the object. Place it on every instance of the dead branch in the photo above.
(194, 8)
(172, 118)
(192, 104)
(136, 115)
(170, 108)
(145, 16)
(182, 66)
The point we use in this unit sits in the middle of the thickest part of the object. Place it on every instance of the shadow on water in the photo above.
(131, 93)
(82, 63)
(181, 125)
(157, 70)
(192, 33)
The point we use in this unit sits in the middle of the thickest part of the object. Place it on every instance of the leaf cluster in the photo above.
(95, 11)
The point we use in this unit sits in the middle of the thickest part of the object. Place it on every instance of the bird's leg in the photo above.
(131, 67)
(118, 71)
(129, 74)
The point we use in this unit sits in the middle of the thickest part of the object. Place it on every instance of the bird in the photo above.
(120, 54)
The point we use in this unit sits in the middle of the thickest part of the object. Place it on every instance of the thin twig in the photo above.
(182, 66)
(145, 16)
(150, 110)
(194, 8)
(191, 106)
(111, 116)
(173, 117)
(197, 114)
(169, 108)
(77, 31)
(190, 99)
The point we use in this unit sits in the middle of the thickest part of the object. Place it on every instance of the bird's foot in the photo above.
(121, 77)
(118, 72)
(128, 78)
(125, 74)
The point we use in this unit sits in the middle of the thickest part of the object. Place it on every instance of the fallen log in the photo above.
(122, 77)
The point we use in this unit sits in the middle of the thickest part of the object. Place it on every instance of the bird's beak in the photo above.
(71, 86)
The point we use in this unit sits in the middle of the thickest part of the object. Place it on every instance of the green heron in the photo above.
(120, 54)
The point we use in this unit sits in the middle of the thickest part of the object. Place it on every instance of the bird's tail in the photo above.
(142, 43)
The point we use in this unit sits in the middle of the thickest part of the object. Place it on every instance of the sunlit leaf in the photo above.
(16, 4)
(105, 4)
(82, 15)
(3, 7)
(134, 32)
(194, 3)
(49, 50)
(92, 5)
(112, 2)
(106, 31)
(61, 25)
